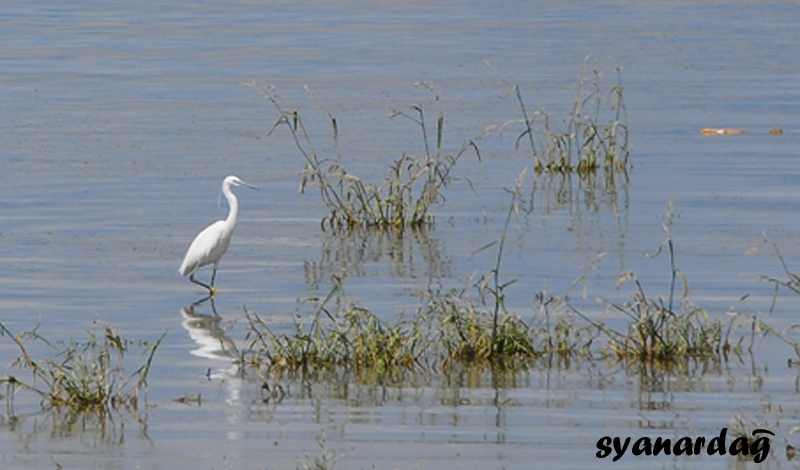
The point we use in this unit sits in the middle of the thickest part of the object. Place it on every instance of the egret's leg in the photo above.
(199, 283)
(213, 275)
(211, 291)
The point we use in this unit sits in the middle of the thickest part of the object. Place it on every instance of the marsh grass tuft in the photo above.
(379, 346)
(413, 184)
(82, 376)
(595, 136)
(596, 133)
(595, 139)
(658, 332)
(484, 332)
(469, 335)
(477, 332)
(340, 337)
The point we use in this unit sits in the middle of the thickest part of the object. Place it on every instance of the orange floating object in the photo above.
(710, 131)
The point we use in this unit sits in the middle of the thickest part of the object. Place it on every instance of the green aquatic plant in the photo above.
(379, 347)
(308, 349)
(470, 332)
(351, 340)
(467, 334)
(499, 336)
(341, 336)
(414, 182)
(81, 376)
(659, 331)
(355, 342)
(595, 139)
(470, 335)
(595, 136)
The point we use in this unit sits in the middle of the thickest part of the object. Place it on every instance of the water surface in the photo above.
(120, 119)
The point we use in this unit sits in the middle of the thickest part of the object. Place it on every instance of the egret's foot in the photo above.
(212, 293)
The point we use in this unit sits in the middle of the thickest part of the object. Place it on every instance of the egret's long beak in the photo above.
(247, 185)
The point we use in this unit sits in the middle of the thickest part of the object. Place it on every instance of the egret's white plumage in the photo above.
(210, 244)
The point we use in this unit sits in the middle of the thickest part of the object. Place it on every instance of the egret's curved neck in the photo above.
(233, 203)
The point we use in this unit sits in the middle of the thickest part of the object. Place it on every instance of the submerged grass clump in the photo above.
(485, 332)
(349, 339)
(340, 336)
(595, 136)
(468, 336)
(379, 346)
(82, 376)
(471, 336)
(657, 333)
(660, 333)
(413, 184)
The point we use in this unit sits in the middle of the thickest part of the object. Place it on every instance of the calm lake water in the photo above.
(120, 119)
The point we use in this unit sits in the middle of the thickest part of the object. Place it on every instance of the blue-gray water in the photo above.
(120, 119)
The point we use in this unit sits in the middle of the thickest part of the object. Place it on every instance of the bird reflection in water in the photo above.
(209, 333)
(206, 331)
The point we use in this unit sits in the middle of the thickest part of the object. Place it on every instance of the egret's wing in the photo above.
(202, 250)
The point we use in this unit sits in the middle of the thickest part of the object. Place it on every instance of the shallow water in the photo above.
(120, 119)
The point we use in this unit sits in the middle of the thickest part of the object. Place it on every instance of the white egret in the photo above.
(210, 244)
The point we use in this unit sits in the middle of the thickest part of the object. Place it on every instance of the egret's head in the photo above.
(236, 181)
